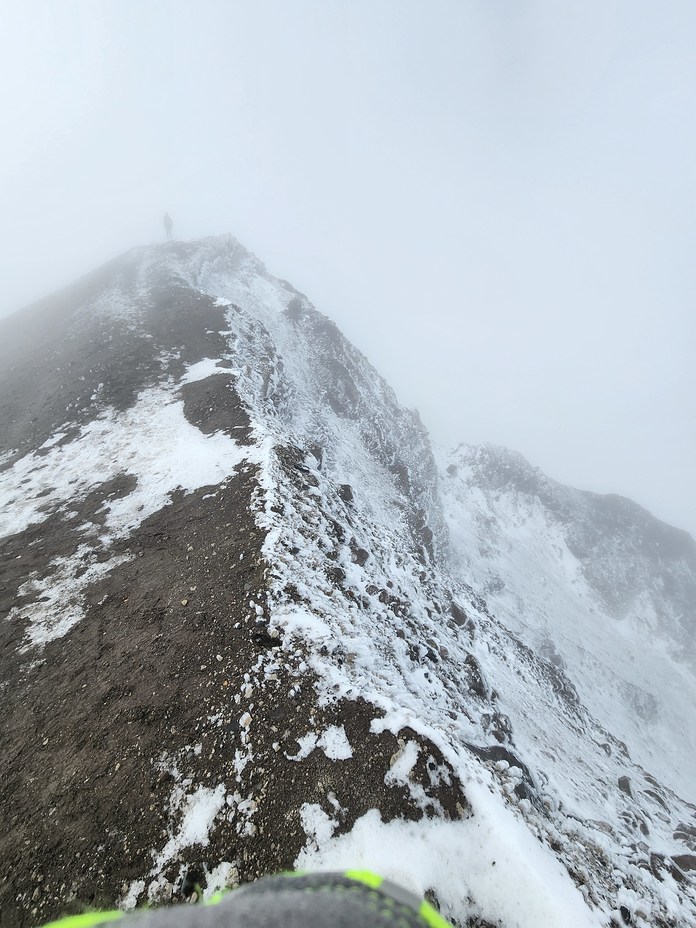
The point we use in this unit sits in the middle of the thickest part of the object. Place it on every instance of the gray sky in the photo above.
(495, 199)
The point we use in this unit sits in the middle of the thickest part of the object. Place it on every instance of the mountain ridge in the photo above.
(234, 597)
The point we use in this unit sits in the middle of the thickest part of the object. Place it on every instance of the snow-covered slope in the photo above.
(237, 638)
(595, 585)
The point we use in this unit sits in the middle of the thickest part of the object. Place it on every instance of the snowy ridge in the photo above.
(349, 577)
(346, 691)
(315, 389)
(386, 621)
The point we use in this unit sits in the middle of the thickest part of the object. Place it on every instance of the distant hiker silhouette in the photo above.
(168, 226)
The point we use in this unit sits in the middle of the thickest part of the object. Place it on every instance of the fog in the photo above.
(494, 200)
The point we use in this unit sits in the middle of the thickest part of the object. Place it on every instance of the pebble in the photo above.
(218, 657)
(184, 602)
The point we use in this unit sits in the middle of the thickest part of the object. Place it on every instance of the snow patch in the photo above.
(152, 443)
(224, 876)
(199, 812)
(130, 899)
(59, 596)
(202, 369)
(333, 742)
(489, 866)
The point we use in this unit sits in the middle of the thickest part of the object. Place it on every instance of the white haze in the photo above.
(494, 200)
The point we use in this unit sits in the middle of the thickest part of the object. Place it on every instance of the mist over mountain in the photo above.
(253, 621)
(593, 583)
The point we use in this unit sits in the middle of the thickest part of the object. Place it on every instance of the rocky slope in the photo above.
(236, 636)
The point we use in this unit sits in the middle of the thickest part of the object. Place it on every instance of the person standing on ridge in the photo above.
(168, 226)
